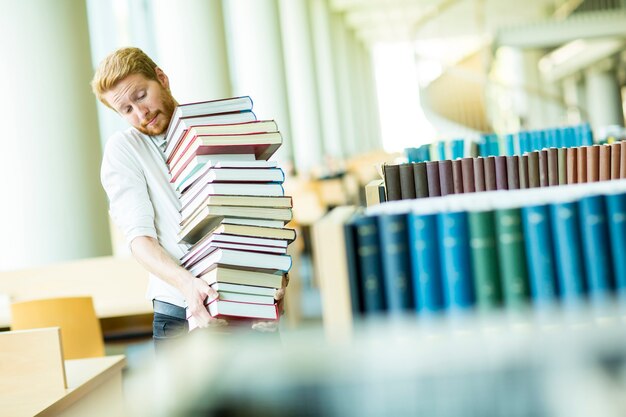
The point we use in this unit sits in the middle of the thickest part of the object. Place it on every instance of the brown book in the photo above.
(533, 169)
(392, 182)
(446, 180)
(543, 168)
(593, 163)
(512, 172)
(523, 172)
(553, 167)
(622, 160)
(457, 176)
(615, 160)
(421, 179)
(502, 182)
(562, 163)
(605, 163)
(467, 166)
(572, 165)
(432, 174)
(479, 174)
(490, 173)
(407, 182)
(581, 163)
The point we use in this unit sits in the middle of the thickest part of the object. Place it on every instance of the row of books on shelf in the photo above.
(545, 168)
(526, 248)
(233, 207)
(506, 145)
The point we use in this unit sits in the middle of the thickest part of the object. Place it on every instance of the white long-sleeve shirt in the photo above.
(142, 202)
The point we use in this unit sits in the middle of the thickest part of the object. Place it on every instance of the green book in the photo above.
(484, 257)
(512, 257)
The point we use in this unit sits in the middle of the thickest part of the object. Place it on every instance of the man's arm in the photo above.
(151, 255)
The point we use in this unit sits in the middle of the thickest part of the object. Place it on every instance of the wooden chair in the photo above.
(81, 334)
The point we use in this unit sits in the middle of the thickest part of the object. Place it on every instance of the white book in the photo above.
(202, 191)
(242, 259)
(245, 298)
(244, 289)
(190, 175)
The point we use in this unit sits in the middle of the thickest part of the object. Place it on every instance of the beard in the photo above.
(163, 116)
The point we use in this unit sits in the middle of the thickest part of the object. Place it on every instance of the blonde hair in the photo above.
(117, 66)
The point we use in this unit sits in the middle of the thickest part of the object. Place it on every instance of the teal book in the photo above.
(512, 257)
(356, 296)
(568, 252)
(369, 264)
(455, 260)
(394, 245)
(596, 248)
(426, 271)
(540, 255)
(484, 259)
(616, 218)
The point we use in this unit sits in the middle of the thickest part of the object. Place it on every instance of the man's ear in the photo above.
(165, 82)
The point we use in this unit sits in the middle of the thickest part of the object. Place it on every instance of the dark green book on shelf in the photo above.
(395, 256)
(484, 255)
(369, 264)
(512, 257)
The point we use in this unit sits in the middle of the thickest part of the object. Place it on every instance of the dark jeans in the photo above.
(166, 328)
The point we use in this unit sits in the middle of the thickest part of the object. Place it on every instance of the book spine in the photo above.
(356, 298)
(568, 252)
(457, 176)
(479, 174)
(596, 248)
(426, 271)
(445, 177)
(572, 165)
(501, 173)
(622, 160)
(523, 172)
(593, 163)
(615, 160)
(484, 259)
(455, 260)
(605, 163)
(432, 173)
(540, 254)
(543, 168)
(616, 213)
(407, 182)
(420, 179)
(553, 167)
(490, 173)
(512, 172)
(467, 168)
(533, 170)
(581, 164)
(394, 242)
(512, 257)
(370, 265)
(562, 165)
(392, 182)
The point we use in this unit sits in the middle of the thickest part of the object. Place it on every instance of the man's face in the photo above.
(146, 104)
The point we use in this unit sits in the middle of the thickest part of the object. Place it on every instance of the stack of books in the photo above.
(233, 207)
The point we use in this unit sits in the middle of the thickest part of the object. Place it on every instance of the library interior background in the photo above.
(457, 170)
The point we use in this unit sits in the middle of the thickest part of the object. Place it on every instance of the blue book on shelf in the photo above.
(458, 147)
(585, 134)
(426, 271)
(483, 146)
(565, 137)
(560, 139)
(494, 145)
(352, 261)
(369, 264)
(441, 149)
(551, 139)
(523, 138)
(596, 247)
(540, 254)
(423, 153)
(509, 144)
(616, 217)
(535, 140)
(394, 246)
(454, 254)
(568, 252)
(411, 154)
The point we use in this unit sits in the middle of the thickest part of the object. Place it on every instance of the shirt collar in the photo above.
(160, 141)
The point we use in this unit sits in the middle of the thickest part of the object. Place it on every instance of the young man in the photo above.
(143, 203)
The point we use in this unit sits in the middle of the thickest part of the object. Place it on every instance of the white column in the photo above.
(373, 113)
(341, 62)
(532, 90)
(554, 105)
(302, 87)
(357, 94)
(256, 61)
(53, 207)
(604, 102)
(326, 79)
(191, 48)
(576, 107)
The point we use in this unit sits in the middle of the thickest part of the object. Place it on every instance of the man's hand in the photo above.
(198, 293)
(279, 296)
